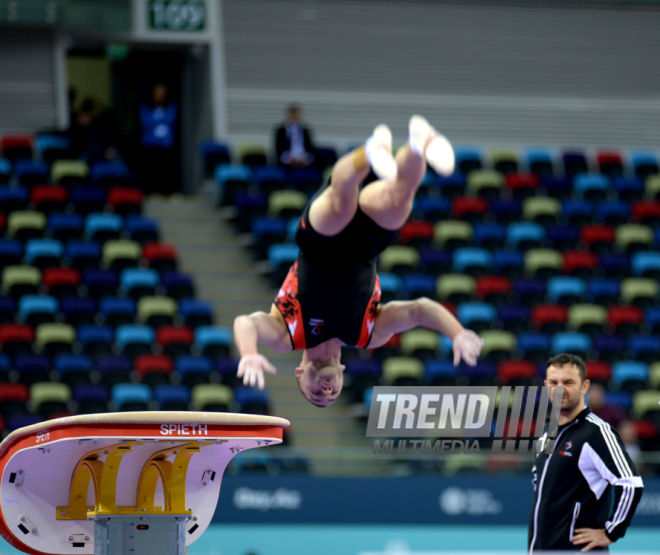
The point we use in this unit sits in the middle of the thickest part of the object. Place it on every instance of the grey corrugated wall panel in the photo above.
(485, 73)
(27, 81)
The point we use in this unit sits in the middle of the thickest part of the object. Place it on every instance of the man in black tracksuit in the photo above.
(587, 488)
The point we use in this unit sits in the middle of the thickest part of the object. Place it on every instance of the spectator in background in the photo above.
(160, 161)
(628, 432)
(612, 414)
(293, 142)
(91, 139)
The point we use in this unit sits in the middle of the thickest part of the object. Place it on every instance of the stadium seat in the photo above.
(455, 288)
(652, 318)
(487, 184)
(543, 263)
(484, 373)
(61, 282)
(54, 338)
(644, 163)
(88, 200)
(231, 179)
(269, 178)
(504, 160)
(494, 289)
(6, 171)
(646, 212)
(629, 189)
(566, 290)
(654, 375)
(13, 397)
(286, 204)
(153, 370)
(196, 313)
(644, 402)
(16, 421)
(13, 199)
(16, 338)
(43, 253)
(440, 373)
(213, 341)
(489, 235)
(599, 238)
(625, 320)
(142, 230)
(591, 186)
(599, 371)
(416, 233)
(65, 227)
(433, 209)
(213, 154)
(644, 348)
(360, 375)
(516, 372)
(156, 311)
(522, 185)
(109, 173)
(646, 264)
(475, 316)
(134, 339)
(557, 186)
(610, 348)
(615, 265)
(630, 376)
(549, 318)
(420, 343)
(391, 286)
(11, 252)
(403, 371)
(49, 199)
(587, 318)
(539, 161)
(103, 227)
(652, 187)
(641, 292)
(7, 309)
(473, 261)
(24, 225)
(542, 210)
(613, 212)
(398, 259)
(48, 398)
(451, 186)
(17, 147)
(172, 397)
(177, 285)
(91, 398)
(117, 311)
(113, 369)
(506, 210)
(212, 397)
(193, 370)
(161, 257)
(32, 368)
(37, 309)
(508, 263)
(131, 396)
(267, 231)
(121, 254)
(573, 342)
(251, 400)
(29, 173)
(100, 283)
(452, 234)
(468, 209)
(514, 318)
(435, 261)
(468, 159)
(525, 235)
(578, 212)
(575, 162)
(21, 280)
(139, 282)
(69, 172)
(83, 255)
(252, 155)
(498, 345)
(580, 264)
(125, 201)
(631, 238)
(307, 179)
(175, 341)
(73, 369)
(415, 286)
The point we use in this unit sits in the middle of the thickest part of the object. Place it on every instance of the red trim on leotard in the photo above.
(289, 306)
(369, 317)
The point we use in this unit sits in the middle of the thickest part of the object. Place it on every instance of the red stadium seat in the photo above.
(153, 369)
(61, 282)
(625, 320)
(3, 221)
(610, 163)
(598, 236)
(49, 198)
(469, 208)
(160, 256)
(175, 340)
(521, 372)
(522, 185)
(16, 147)
(646, 212)
(580, 264)
(549, 318)
(599, 370)
(18, 392)
(16, 338)
(125, 200)
(493, 289)
(417, 233)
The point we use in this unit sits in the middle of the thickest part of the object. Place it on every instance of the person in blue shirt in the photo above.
(158, 142)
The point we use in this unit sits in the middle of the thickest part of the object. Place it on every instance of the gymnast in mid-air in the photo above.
(331, 294)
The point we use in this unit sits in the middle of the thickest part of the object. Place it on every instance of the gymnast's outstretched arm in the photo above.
(399, 316)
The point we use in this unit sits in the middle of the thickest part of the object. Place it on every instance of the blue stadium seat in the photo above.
(131, 396)
(267, 231)
(433, 209)
(575, 162)
(134, 339)
(214, 154)
(291, 228)
(603, 291)
(441, 372)
(269, 178)
(489, 235)
(646, 264)
(196, 312)
(415, 285)
(91, 398)
(506, 210)
(231, 179)
(13, 199)
(468, 159)
(514, 318)
(32, 368)
(43, 253)
(113, 369)
(578, 212)
(435, 261)
(172, 397)
(95, 340)
(610, 348)
(11, 252)
(178, 285)
(558, 186)
(534, 346)
(571, 342)
(472, 261)
(7, 309)
(539, 161)
(591, 186)
(21, 420)
(5, 171)
(139, 282)
(451, 185)
(644, 163)
(630, 375)
(613, 212)
(83, 255)
(566, 290)
(652, 318)
(628, 189)
(484, 373)
(141, 229)
(508, 263)
(193, 370)
(252, 400)
(280, 257)
(73, 369)
(117, 311)
(615, 265)
(644, 348)
(103, 227)
(476, 316)
(525, 235)
(65, 227)
(109, 173)
(88, 200)
(391, 285)
(5, 367)
(31, 173)
(213, 341)
(563, 237)
(100, 283)
(52, 147)
(37, 309)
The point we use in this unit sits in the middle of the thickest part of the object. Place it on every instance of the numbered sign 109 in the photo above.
(177, 15)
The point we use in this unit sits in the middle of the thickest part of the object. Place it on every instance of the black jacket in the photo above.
(588, 481)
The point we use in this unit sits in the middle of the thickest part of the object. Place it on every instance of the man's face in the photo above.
(293, 115)
(320, 382)
(568, 377)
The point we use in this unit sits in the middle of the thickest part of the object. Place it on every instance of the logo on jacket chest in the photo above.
(316, 325)
(567, 447)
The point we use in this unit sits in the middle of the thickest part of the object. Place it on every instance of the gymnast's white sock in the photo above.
(433, 146)
(379, 153)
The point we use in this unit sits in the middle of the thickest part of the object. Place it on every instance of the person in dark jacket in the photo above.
(587, 488)
(293, 140)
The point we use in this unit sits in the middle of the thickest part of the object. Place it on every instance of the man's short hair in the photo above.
(567, 358)
(305, 396)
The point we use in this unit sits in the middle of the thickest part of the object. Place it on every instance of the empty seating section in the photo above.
(95, 314)
(540, 252)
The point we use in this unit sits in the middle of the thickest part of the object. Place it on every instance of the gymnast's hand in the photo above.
(467, 345)
(252, 367)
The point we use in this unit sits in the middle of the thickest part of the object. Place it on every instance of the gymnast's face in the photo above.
(320, 382)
